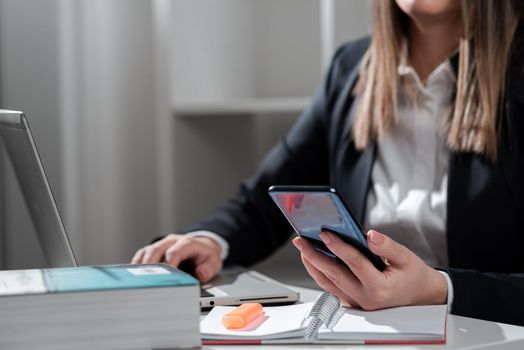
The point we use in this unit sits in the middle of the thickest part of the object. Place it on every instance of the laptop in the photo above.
(232, 286)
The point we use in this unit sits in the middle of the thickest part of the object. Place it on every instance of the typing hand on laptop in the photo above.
(197, 255)
(201, 256)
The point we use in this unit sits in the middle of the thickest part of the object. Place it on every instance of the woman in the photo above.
(420, 130)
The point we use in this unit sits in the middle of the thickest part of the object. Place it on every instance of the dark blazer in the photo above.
(485, 213)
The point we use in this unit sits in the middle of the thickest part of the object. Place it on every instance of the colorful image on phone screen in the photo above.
(309, 213)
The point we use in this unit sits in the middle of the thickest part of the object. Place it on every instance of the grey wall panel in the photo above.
(30, 75)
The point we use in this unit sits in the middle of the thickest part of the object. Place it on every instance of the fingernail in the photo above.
(324, 236)
(298, 243)
(376, 238)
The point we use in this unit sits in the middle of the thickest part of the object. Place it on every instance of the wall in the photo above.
(113, 179)
(30, 81)
(83, 71)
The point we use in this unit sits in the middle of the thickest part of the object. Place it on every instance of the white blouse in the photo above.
(407, 199)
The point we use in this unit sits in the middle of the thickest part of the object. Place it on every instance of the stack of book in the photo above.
(99, 307)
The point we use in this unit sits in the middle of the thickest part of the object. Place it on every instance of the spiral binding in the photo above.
(326, 311)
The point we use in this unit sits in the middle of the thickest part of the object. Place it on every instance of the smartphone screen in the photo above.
(310, 212)
(321, 209)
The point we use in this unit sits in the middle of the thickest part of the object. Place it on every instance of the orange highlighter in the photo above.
(242, 316)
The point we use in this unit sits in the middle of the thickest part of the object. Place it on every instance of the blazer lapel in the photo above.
(352, 169)
(354, 176)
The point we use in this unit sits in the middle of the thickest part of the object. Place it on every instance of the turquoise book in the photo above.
(92, 278)
(154, 306)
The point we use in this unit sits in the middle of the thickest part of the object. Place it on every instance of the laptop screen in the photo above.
(16, 138)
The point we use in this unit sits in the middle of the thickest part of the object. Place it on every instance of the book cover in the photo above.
(92, 278)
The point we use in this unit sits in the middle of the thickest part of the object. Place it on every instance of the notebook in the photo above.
(325, 322)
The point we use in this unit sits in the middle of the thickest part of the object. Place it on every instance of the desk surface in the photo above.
(462, 333)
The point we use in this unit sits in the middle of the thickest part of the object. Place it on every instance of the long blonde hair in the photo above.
(484, 50)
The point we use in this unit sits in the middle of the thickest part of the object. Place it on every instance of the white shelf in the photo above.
(278, 105)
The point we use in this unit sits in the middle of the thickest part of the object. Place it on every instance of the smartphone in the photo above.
(312, 209)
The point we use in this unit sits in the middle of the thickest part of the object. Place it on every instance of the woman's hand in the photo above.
(202, 252)
(407, 280)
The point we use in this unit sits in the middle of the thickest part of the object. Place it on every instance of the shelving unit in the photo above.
(247, 106)
(237, 79)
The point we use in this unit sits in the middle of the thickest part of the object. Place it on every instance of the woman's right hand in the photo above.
(202, 252)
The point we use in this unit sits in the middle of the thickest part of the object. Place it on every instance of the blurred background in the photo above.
(148, 113)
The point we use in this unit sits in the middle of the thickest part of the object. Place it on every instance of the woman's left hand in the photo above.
(406, 280)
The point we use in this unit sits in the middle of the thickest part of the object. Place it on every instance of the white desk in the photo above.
(462, 333)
